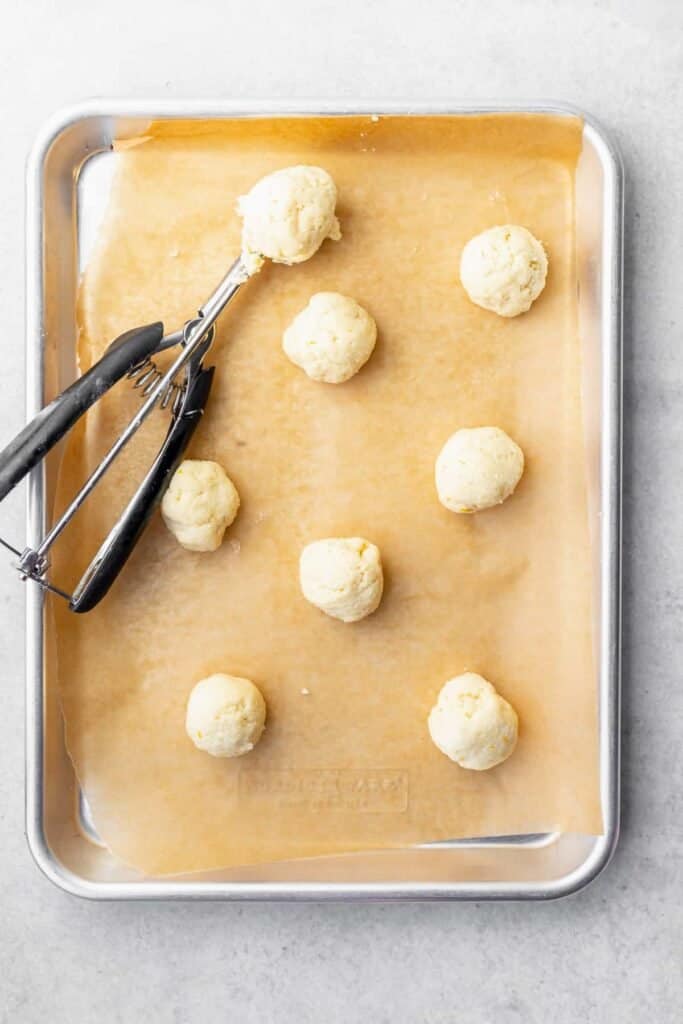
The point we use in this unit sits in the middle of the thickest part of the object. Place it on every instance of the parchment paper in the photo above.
(505, 593)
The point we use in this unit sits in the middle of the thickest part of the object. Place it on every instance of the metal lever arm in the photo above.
(52, 423)
(114, 552)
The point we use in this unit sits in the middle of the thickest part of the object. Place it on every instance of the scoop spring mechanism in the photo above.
(184, 388)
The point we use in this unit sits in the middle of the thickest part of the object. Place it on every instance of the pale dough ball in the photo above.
(504, 269)
(342, 576)
(287, 216)
(200, 503)
(225, 715)
(478, 468)
(472, 724)
(331, 338)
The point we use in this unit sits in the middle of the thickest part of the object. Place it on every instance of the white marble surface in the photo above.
(606, 955)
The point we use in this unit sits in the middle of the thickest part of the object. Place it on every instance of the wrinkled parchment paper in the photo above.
(349, 766)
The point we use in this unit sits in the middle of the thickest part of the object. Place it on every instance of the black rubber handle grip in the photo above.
(51, 424)
(119, 544)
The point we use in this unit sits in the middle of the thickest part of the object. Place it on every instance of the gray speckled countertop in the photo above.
(608, 954)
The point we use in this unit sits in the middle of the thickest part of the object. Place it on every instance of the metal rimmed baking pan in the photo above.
(59, 214)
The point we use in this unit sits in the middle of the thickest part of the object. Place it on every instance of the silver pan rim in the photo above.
(611, 457)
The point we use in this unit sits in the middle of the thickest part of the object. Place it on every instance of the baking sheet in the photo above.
(506, 593)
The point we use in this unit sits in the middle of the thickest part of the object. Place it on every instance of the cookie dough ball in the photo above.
(472, 724)
(331, 338)
(342, 576)
(287, 216)
(225, 715)
(478, 468)
(200, 503)
(504, 269)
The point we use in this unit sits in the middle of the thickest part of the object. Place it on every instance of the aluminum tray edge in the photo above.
(610, 661)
